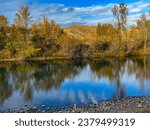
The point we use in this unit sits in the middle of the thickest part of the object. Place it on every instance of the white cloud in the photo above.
(138, 6)
(135, 10)
(94, 9)
(132, 19)
(67, 15)
(9, 8)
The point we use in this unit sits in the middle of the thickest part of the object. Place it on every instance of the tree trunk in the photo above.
(145, 42)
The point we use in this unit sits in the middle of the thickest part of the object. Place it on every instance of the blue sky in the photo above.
(70, 12)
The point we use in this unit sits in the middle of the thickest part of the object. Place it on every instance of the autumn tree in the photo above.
(23, 20)
(3, 31)
(106, 36)
(106, 32)
(3, 20)
(120, 12)
(144, 25)
(19, 35)
(134, 40)
(17, 20)
(47, 35)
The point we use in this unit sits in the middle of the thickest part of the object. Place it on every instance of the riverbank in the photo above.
(127, 105)
(68, 58)
(35, 59)
(62, 57)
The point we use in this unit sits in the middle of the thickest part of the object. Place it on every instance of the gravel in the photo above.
(126, 105)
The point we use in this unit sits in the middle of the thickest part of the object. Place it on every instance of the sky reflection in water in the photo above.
(59, 84)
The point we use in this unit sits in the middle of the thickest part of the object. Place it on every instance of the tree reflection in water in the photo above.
(28, 78)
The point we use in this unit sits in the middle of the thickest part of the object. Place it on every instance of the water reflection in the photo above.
(64, 83)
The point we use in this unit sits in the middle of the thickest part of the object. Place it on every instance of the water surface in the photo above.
(58, 84)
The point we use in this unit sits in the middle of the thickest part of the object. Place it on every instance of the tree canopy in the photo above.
(26, 38)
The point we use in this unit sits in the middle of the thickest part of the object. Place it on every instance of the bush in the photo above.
(14, 47)
(5, 54)
(81, 51)
(19, 49)
(28, 52)
(101, 46)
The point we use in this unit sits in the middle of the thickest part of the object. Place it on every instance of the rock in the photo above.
(122, 105)
(139, 105)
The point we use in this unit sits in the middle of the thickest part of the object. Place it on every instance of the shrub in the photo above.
(81, 51)
(14, 47)
(101, 46)
(28, 52)
(5, 54)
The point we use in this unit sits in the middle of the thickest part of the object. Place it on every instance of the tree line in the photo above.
(26, 38)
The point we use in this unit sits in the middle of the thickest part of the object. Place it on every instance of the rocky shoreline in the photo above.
(126, 105)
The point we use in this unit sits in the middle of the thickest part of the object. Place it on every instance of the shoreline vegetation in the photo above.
(25, 39)
(125, 105)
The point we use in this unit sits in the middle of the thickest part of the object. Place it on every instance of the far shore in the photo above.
(35, 59)
(67, 58)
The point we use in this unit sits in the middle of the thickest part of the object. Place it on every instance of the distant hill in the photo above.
(86, 33)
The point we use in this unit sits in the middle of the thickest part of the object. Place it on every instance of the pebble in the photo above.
(137, 104)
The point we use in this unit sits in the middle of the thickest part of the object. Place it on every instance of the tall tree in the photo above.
(144, 26)
(3, 31)
(120, 12)
(17, 20)
(23, 19)
(3, 20)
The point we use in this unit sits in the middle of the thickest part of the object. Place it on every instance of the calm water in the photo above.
(58, 84)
